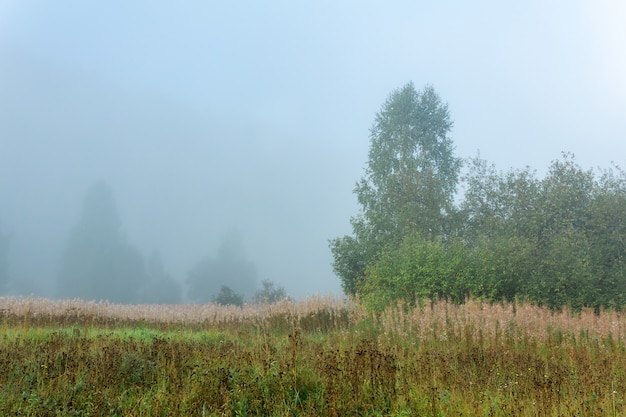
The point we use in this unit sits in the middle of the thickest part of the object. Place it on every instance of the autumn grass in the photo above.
(319, 356)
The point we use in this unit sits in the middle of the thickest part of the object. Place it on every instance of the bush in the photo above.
(418, 269)
(269, 293)
(227, 296)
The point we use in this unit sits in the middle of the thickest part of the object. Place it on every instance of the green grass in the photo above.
(443, 360)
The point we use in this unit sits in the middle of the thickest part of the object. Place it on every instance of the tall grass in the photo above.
(320, 356)
(38, 310)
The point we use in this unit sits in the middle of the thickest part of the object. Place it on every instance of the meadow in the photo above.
(316, 357)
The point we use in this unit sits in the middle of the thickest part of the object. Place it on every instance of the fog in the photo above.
(254, 118)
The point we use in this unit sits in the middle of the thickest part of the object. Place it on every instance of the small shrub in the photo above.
(227, 297)
(269, 293)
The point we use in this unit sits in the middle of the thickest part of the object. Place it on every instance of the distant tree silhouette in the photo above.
(97, 262)
(230, 268)
(161, 288)
(226, 297)
(269, 293)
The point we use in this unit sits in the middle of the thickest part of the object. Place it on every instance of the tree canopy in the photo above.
(409, 182)
(556, 241)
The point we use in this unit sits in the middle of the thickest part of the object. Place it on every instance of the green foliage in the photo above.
(97, 262)
(606, 234)
(556, 241)
(350, 258)
(500, 266)
(409, 181)
(416, 270)
(498, 204)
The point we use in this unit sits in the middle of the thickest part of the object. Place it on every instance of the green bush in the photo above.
(418, 269)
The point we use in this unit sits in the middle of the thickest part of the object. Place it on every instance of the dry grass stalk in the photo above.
(44, 308)
(444, 320)
(441, 320)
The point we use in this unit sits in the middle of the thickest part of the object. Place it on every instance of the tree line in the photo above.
(98, 263)
(556, 241)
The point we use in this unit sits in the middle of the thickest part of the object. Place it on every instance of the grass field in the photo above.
(319, 356)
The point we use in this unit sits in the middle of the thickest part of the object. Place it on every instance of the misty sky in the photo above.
(255, 116)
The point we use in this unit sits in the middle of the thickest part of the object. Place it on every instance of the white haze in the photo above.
(255, 116)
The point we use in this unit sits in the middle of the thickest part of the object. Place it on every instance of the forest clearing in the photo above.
(317, 356)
